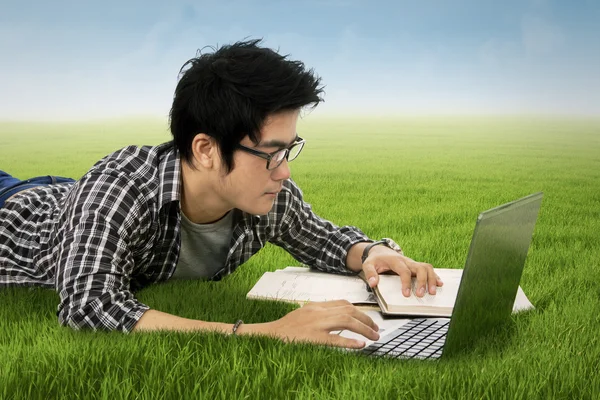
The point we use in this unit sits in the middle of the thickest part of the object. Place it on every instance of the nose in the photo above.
(282, 172)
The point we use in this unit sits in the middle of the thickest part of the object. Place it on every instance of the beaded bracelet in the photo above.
(236, 326)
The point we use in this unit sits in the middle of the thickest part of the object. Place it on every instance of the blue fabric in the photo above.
(10, 185)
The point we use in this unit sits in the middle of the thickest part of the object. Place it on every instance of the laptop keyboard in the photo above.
(419, 338)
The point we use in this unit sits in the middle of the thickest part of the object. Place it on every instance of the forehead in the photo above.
(266, 142)
(279, 130)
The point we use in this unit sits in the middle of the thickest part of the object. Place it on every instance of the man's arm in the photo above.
(153, 320)
(353, 259)
(315, 241)
(105, 218)
(311, 323)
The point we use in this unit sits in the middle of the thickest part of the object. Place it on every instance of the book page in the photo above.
(522, 303)
(297, 269)
(390, 287)
(303, 284)
(306, 286)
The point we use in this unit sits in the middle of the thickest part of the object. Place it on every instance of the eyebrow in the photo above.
(277, 143)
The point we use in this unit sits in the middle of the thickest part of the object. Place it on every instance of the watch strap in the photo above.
(386, 242)
(366, 250)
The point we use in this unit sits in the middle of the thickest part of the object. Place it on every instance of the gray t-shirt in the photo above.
(204, 248)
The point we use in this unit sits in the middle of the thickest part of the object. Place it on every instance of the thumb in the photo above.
(370, 274)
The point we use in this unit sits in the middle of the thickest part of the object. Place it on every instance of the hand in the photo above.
(383, 259)
(315, 320)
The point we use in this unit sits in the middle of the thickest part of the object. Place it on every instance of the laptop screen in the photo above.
(492, 272)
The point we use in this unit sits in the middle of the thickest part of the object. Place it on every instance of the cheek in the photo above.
(250, 180)
(250, 175)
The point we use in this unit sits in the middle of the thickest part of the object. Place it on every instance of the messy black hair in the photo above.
(229, 93)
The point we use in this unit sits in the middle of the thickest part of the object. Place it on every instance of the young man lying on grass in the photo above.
(196, 207)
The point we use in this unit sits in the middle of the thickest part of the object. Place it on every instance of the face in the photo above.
(249, 185)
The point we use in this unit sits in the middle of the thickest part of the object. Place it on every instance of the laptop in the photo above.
(487, 290)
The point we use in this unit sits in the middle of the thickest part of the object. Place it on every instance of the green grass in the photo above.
(421, 181)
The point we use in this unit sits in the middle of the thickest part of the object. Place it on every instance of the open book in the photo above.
(301, 285)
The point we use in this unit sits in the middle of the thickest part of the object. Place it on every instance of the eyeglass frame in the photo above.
(269, 156)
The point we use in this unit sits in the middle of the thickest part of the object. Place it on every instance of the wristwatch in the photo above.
(386, 242)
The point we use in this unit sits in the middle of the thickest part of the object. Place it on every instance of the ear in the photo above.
(204, 151)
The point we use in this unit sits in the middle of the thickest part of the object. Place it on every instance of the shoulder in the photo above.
(133, 159)
(140, 165)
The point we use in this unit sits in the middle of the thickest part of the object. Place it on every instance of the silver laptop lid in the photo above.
(492, 272)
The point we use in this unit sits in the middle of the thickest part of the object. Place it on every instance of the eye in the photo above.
(279, 155)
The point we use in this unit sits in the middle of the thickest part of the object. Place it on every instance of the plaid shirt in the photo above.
(117, 230)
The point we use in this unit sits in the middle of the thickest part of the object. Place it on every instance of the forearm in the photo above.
(313, 240)
(353, 258)
(153, 320)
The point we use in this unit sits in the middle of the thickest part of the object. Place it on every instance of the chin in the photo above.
(263, 207)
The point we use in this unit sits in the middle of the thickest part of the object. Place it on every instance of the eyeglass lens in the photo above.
(280, 155)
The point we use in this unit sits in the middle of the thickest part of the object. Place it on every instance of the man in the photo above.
(196, 207)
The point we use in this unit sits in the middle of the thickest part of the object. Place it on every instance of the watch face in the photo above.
(392, 245)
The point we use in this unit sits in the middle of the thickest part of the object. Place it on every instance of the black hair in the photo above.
(229, 94)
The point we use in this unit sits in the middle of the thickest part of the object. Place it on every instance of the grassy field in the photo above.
(421, 181)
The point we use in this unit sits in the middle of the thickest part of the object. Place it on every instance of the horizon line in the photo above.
(348, 115)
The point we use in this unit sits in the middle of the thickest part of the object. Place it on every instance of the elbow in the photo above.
(78, 318)
(101, 313)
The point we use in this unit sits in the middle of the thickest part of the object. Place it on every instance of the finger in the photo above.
(351, 318)
(370, 273)
(405, 278)
(340, 341)
(337, 307)
(327, 339)
(331, 339)
(354, 312)
(439, 281)
(421, 273)
(364, 318)
(431, 278)
(349, 322)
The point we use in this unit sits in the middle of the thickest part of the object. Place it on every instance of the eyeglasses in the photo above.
(275, 159)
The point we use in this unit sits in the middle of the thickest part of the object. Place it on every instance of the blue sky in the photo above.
(84, 59)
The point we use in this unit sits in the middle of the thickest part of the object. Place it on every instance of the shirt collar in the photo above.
(169, 172)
